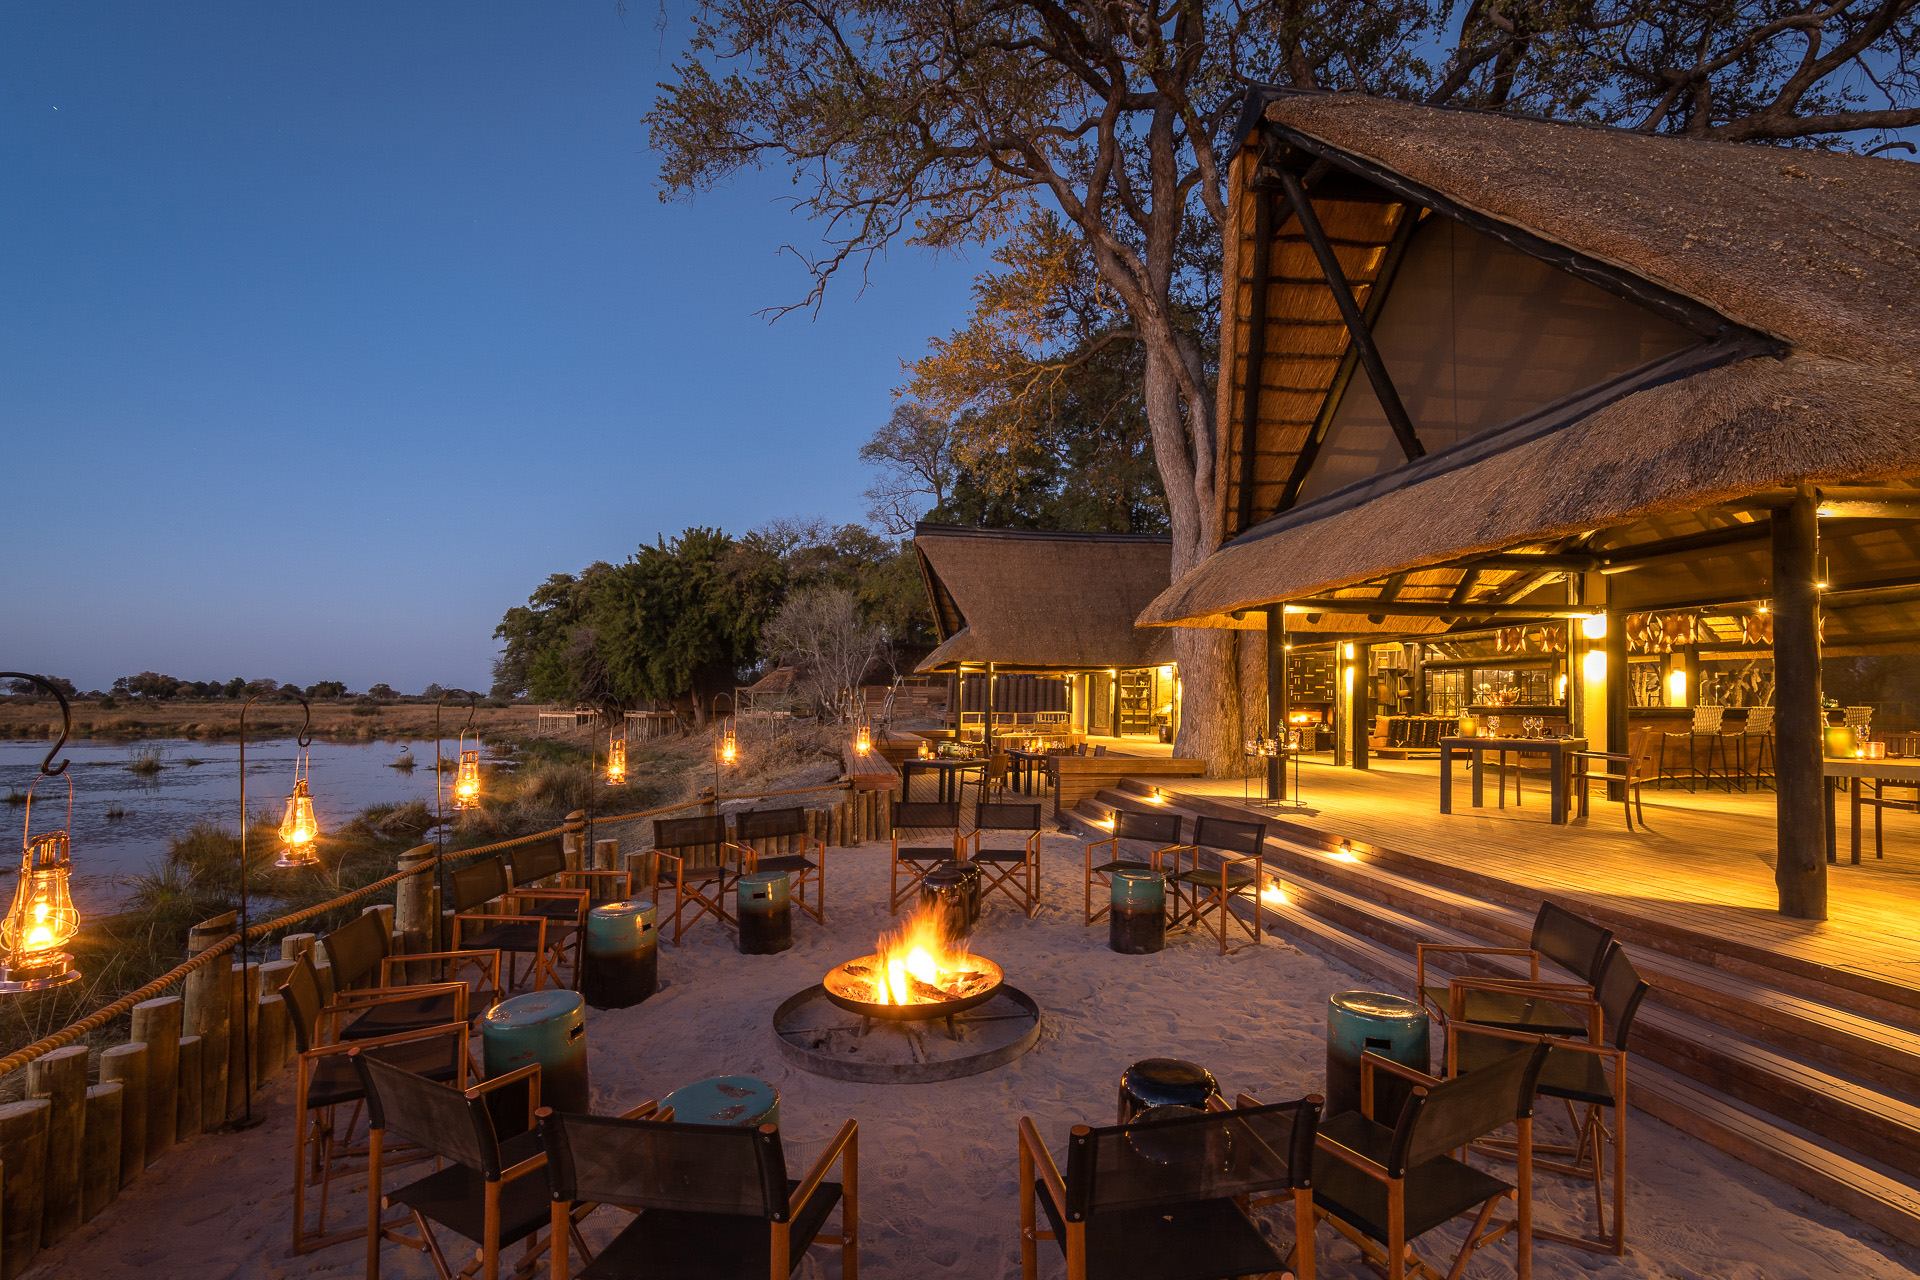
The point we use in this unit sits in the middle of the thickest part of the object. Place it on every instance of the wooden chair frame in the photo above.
(1019, 881)
(1194, 902)
(487, 1263)
(1532, 984)
(552, 936)
(1593, 1137)
(685, 889)
(798, 881)
(911, 869)
(1105, 878)
(845, 1147)
(1394, 1258)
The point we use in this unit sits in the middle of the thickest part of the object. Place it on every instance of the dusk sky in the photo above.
(327, 333)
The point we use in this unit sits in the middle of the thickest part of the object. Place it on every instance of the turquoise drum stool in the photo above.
(1137, 924)
(764, 904)
(1369, 1022)
(622, 967)
(743, 1101)
(547, 1029)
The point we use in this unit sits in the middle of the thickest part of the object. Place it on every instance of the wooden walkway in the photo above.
(1704, 863)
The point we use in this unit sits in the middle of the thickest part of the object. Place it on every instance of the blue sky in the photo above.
(327, 332)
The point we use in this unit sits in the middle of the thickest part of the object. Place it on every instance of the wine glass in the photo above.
(1493, 726)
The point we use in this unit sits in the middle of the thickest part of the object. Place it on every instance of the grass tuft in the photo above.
(146, 759)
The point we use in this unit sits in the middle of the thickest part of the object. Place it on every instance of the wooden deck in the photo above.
(1703, 864)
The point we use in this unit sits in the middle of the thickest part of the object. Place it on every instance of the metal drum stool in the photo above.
(1137, 922)
(953, 890)
(765, 910)
(1165, 1082)
(744, 1101)
(1369, 1022)
(622, 965)
(544, 1028)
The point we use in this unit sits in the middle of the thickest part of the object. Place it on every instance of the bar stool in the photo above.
(1759, 730)
(1706, 724)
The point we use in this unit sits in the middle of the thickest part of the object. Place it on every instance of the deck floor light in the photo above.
(42, 918)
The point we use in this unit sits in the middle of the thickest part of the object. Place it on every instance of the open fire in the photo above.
(915, 973)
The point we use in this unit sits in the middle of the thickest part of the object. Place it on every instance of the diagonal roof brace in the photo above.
(1357, 331)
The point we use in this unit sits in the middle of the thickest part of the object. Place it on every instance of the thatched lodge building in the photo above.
(1038, 627)
(1518, 392)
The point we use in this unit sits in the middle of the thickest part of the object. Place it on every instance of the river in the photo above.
(345, 777)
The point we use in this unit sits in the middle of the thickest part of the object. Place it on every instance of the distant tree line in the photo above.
(686, 618)
(154, 687)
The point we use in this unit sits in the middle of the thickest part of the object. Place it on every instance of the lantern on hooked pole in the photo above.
(299, 829)
(42, 918)
(440, 791)
(617, 759)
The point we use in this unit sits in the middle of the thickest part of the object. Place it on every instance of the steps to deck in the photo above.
(1798, 1069)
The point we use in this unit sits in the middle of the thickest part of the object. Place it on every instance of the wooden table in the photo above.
(948, 771)
(1850, 774)
(1558, 750)
(1026, 764)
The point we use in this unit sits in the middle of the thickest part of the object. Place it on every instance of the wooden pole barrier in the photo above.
(573, 840)
(156, 1023)
(100, 1149)
(295, 945)
(208, 1014)
(61, 1078)
(274, 1035)
(413, 907)
(23, 1159)
(126, 1065)
(1799, 726)
(192, 1094)
(606, 855)
(246, 1004)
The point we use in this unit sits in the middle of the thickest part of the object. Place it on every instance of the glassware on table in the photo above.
(1493, 726)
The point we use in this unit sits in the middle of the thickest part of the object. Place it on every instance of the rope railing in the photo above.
(716, 800)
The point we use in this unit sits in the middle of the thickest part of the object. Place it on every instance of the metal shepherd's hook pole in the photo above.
(305, 740)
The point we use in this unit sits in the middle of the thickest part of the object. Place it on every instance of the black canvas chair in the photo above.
(1162, 830)
(806, 869)
(1528, 1004)
(1590, 1075)
(532, 865)
(1014, 872)
(513, 926)
(367, 1003)
(1210, 891)
(701, 888)
(1169, 1199)
(325, 1081)
(710, 1201)
(1384, 1187)
(488, 1191)
(912, 862)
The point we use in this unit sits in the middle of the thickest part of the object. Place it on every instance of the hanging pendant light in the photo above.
(729, 748)
(616, 762)
(42, 918)
(299, 830)
(466, 778)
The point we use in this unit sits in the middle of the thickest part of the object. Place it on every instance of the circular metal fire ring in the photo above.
(817, 1035)
(840, 983)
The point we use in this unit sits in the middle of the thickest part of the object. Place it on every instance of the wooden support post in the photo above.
(573, 840)
(23, 1159)
(1276, 684)
(384, 910)
(413, 907)
(156, 1024)
(61, 1078)
(1800, 864)
(209, 1015)
(126, 1064)
(295, 945)
(275, 1035)
(193, 1087)
(100, 1149)
(606, 855)
(245, 1035)
(1619, 687)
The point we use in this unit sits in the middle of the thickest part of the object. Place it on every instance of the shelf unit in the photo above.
(1136, 702)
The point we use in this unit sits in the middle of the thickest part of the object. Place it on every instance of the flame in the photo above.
(616, 762)
(917, 955)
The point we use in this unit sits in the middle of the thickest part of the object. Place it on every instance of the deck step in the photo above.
(1732, 1093)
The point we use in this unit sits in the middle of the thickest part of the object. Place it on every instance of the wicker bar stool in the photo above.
(1756, 737)
(1706, 724)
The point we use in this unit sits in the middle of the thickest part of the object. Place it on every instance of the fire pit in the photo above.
(916, 977)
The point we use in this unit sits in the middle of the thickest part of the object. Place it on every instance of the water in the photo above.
(345, 778)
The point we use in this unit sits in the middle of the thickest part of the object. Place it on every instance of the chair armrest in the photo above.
(1370, 1062)
(518, 1074)
(575, 895)
(1050, 1178)
(1110, 840)
(1348, 1156)
(505, 919)
(455, 1029)
(1421, 950)
(647, 1110)
(1565, 995)
(845, 1140)
(483, 956)
(387, 995)
(745, 854)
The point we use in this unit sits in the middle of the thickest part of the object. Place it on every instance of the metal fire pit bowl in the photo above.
(840, 986)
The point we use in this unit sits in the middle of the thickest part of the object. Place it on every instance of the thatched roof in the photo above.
(1059, 601)
(1815, 255)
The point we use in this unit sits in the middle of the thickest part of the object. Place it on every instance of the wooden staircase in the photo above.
(1805, 1071)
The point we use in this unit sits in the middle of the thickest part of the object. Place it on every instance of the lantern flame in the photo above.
(915, 964)
(616, 762)
(863, 740)
(43, 916)
(466, 781)
(299, 829)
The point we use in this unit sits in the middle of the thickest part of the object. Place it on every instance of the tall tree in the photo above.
(945, 124)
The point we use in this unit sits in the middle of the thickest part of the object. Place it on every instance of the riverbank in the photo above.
(40, 718)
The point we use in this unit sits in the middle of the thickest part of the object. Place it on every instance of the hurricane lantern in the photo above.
(466, 781)
(926, 749)
(299, 830)
(42, 918)
(729, 747)
(616, 762)
(863, 739)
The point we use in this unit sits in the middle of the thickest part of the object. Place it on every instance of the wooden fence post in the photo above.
(100, 1149)
(276, 1026)
(61, 1078)
(413, 907)
(156, 1023)
(295, 945)
(240, 1044)
(193, 1087)
(209, 1015)
(23, 1159)
(126, 1064)
(606, 855)
(573, 840)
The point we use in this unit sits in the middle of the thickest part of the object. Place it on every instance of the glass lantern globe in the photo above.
(42, 919)
(299, 830)
(617, 762)
(466, 781)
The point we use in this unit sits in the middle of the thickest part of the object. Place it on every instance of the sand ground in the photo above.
(937, 1161)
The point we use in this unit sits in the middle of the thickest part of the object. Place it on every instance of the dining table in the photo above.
(1559, 751)
(1849, 774)
(950, 772)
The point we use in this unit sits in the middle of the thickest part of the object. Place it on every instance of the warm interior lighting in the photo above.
(1594, 626)
(1560, 688)
(926, 749)
(42, 918)
(863, 740)
(1158, 797)
(1594, 666)
(466, 781)
(299, 830)
(616, 762)
(1766, 608)
(1677, 687)
(1347, 652)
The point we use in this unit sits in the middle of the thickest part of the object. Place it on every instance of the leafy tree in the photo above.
(30, 688)
(327, 689)
(234, 687)
(148, 684)
(556, 607)
(382, 693)
(950, 124)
